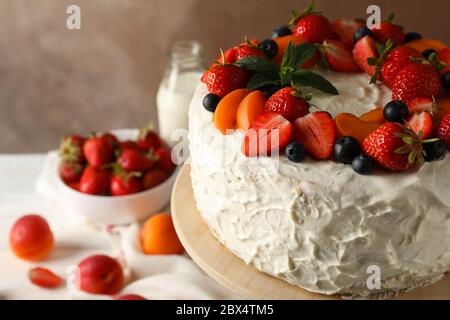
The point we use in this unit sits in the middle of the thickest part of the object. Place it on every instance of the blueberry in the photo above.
(396, 111)
(411, 36)
(446, 80)
(295, 152)
(269, 90)
(361, 33)
(210, 102)
(428, 52)
(346, 149)
(269, 47)
(363, 164)
(434, 150)
(281, 32)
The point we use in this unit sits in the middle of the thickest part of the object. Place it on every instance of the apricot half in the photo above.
(225, 115)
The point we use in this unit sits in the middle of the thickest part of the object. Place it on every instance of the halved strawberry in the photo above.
(269, 132)
(421, 122)
(421, 104)
(44, 278)
(364, 49)
(316, 132)
(346, 29)
(339, 56)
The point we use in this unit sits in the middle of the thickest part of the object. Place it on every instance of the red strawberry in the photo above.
(316, 131)
(364, 49)
(98, 151)
(70, 171)
(112, 139)
(133, 160)
(95, 181)
(443, 130)
(148, 139)
(396, 61)
(313, 28)
(346, 29)
(75, 186)
(44, 278)
(124, 145)
(416, 80)
(164, 161)
(421, 122)
(421, 104)
(153, 178)
(229, 55)
(247, 50)
(124, 184)
(288, 102)
(339, 56)
(394, 147)
(444, 57)
(388, 30)
(72, 148)
(222, 79)
(266, 127)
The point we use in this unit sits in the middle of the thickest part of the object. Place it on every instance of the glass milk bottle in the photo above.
(177, 87)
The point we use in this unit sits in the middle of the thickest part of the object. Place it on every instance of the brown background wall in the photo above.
(54, 81)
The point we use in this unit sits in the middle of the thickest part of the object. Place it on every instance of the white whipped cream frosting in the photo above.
(318, 224)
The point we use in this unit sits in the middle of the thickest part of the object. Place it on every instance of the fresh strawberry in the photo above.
(72, 148)
(229, 56)
(44, 278)
(394, 147)
(266, 127)
(421, 104)
(95, 181)
(112, 139)
(443, 130)
(148, 139)
(98, 151)
(316, 131)
(339, 56)
(288, 102)
(70, 171)
(75, 186)
(396, 60)
(124, 184)
(221, 79)
(346, 29)
(416, 80)
(124, 145)
(388, 30)
(444, 57)
(247, 50)
(153, 178)
(421, 124)
(164, 161)
(133, 160)
(364, 49)
(311, 26)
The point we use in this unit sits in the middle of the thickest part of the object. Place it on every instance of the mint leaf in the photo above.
(305, 78)
(293, 57)
(303, 52)
(260, 65)
(259, 80)
(288, 58)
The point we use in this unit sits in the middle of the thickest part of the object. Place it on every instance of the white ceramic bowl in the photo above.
(122, 209)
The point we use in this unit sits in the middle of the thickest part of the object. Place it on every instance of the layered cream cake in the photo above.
(320, 224)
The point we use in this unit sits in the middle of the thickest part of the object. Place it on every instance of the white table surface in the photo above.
(18, 174)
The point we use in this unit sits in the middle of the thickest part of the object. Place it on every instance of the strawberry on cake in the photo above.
(320, 154)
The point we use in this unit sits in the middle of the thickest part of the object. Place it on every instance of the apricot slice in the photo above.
(424, 44)
(225, 116)
(283, 42)
(443, 107)
(250, 108)
(348, 124)
(158, 236)
(375, 115)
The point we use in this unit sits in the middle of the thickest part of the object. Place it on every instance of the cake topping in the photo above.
(311, 26)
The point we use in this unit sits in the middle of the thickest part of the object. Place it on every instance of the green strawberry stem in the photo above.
(298, 15)
(383, 51)
(413, 146)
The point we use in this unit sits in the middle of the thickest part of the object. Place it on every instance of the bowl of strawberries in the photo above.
(118, 177)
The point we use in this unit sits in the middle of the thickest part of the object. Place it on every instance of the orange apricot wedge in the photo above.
(375, 116)
(424, 44)
(348, 124)
(250, 108)
(283, 42)
(225, 116)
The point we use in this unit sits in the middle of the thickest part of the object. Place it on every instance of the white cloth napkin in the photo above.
(151, 276)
